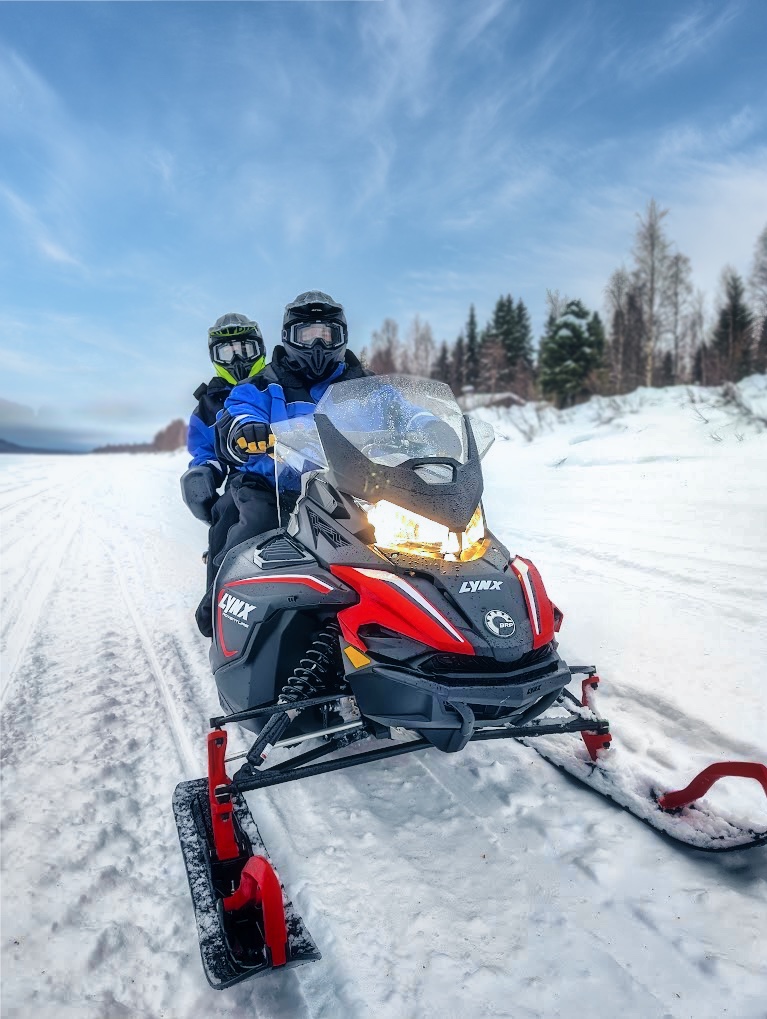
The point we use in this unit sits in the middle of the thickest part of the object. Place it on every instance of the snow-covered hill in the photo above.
(482, 884)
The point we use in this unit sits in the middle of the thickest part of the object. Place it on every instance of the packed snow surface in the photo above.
(481, 884)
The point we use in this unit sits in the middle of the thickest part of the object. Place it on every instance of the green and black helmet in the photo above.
(236, 348)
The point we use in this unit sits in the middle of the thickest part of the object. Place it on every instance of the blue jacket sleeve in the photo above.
(201, 445)
(248, 403)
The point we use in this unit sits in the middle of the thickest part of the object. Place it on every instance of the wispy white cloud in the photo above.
(689, 36)
(481, 16)
(34, 230)
(400, 39)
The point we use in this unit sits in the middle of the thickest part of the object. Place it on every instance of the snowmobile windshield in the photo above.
(390, 419)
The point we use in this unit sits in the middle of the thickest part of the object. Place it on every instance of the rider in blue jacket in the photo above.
(312, 357)
(237, 350)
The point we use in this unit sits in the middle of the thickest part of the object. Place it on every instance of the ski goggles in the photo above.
(305, 334)
(228, 351)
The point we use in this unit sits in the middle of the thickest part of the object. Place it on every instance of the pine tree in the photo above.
(633, 351)
(441, 369)
(571, 352)
(503, 324)
(616, 293)
(524, 335)
(493, 366)
(732, 339)
(510, 326)
(472, 349)
(458, 366)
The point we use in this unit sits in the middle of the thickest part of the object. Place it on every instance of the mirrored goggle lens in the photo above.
(330, 334)
(228, 350)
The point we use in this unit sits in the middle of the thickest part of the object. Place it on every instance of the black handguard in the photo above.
(198, 490)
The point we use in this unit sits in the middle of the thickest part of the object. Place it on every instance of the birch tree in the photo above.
(678, 301)
(421, 347)
(652, 258)
(385, 351)
(758, 291)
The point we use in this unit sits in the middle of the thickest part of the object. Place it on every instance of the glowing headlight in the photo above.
(398, 528)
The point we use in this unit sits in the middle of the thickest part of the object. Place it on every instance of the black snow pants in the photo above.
(251, 510)
(223, 516)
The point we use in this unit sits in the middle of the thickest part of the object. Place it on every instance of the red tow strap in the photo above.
(259, 885)
(701, 784)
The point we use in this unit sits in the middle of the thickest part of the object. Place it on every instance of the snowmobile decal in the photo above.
(287, 578)
(408, 613)
(500, 623)
(234, 607)
(479, 585)
(539, 606)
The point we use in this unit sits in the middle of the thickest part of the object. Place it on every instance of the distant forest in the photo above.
(168, 439)
(657, 333)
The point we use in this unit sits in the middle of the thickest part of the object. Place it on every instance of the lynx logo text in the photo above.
(235, 609)
(479, 585)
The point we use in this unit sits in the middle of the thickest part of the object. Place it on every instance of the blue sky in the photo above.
(163, 163)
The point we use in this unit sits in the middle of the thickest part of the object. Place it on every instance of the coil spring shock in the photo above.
(308, 679)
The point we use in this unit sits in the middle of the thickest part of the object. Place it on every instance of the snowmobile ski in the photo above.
(679, 815)
(246, 924)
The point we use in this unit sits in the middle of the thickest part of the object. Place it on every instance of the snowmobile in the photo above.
(383, 617)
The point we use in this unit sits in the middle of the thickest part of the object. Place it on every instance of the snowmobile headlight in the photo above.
(405, 531)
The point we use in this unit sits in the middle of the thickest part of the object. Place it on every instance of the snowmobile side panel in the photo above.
(224, 958)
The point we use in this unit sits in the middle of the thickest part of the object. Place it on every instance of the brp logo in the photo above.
(500, 623)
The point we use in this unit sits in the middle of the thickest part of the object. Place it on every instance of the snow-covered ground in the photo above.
(481, 884)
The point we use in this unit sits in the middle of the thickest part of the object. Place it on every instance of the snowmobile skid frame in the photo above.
(246, 923)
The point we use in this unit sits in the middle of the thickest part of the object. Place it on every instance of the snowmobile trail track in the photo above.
(186, 755)
(33, 600)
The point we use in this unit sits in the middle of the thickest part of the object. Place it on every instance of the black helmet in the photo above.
(236, 347)
(314, 334)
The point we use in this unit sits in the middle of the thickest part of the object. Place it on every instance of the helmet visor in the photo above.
(305, 334)
(226, 351)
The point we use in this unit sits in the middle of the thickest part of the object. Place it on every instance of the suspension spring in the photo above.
(308, 679)
(310, 675)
